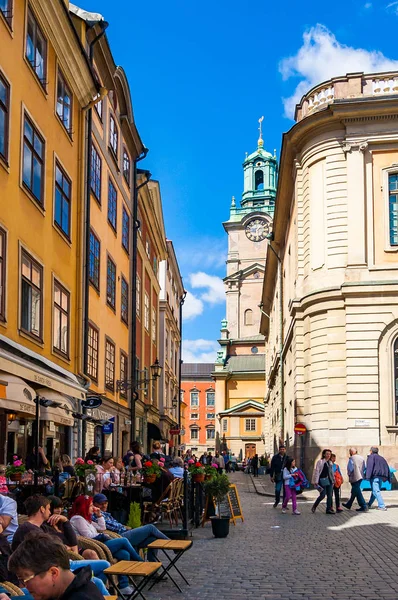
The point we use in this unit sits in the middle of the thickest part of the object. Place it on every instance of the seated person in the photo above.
(8, 516)
(38, 510)
(140, 537)
(3, 480)
(161, 483)
(31, 461)
(178, 467)
(41, 564)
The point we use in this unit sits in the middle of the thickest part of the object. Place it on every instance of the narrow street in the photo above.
(271, 555)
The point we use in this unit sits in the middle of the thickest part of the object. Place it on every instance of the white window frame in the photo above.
(393, 170)
(211, 429)
(190, 398)
(252, 424)
(210, 392)
(210, 416)
(146, 312)
(194, 417)
(224, 425)
(196, 437)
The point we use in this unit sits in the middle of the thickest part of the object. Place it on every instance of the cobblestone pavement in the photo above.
(281, 556)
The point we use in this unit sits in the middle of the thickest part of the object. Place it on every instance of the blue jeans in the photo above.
(375, 483)
(356, 493)
(278, 489)
(142, 536)
(101, 586)
(97, 567)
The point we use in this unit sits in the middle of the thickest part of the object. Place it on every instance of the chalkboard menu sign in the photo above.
(230, 507)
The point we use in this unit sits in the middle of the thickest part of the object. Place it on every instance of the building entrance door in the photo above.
(250, 450)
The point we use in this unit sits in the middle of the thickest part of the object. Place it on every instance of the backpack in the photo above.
(338, 479)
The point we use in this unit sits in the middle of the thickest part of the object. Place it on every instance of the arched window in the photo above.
(248, 317)
(259, 180)
(396, 379)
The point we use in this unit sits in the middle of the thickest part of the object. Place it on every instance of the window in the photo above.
(126, 166)
(393, 208)
(125, 230)
(155, 268)
(194, 415)
(92, 352)
(125, 301)
(210, 416)
(194, 398)
(96, 173)
(153, 325)
(138, 296)
(6, 9)
(111, 283)
(36, 48)
(98, 107)
(211, 434)
(148, 248)
(210, 398)
(3, 279)
(31, 295)
(259, 180)
(61, 319)
(94, 260)
(248, 317)
(123, 371)
(64, 103)
(33, 161)
(146, 311)
(112, 205)
(109, 365)
(250, 424)
(113, 136)
(194, 434)
(62, 200)
(225, 425)
(4, 115)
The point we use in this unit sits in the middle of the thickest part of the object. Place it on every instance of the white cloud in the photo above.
(204, 252)
(394, 6)
(192, 307)
(321, 57)
(215, 293)
(199, 351)
(368, 5)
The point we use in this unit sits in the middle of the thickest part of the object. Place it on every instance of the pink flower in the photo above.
(161, 460)
(17, 463)
(90, 462)
(191, 461)
(79, 461)
(214, 466)
(15, 456)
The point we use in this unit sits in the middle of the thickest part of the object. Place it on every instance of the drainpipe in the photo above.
(281, 369)
(182, 300)
(103, 25)
(133, 325)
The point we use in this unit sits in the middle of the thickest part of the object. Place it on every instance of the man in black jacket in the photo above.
(277, 465)
(377, 472)
(41, 564)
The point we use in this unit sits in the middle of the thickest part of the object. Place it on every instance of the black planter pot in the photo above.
(220, 526)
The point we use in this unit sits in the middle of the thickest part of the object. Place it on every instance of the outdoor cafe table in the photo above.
(176, 546)
(133, 569)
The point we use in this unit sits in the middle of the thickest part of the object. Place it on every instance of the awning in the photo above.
(61, 415)
(16, 395)
(154, 432)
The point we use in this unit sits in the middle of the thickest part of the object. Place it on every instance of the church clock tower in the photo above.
(240, 366)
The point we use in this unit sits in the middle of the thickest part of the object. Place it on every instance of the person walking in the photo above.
(377, 471)
(219, 461)
(323, 480)
(289, 482)
(278, 463)
(254, 465)
(356, 471)
(338, 482)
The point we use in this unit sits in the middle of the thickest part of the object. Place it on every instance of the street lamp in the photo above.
(122, 385)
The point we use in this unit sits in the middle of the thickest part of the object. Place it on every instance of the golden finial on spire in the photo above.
(260, 139)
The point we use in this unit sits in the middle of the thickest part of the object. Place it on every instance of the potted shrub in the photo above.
(217, 489)
(15, 471)
(150, 471)
(197, 472)
(210, 471)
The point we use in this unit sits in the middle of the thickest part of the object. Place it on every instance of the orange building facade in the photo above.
(198, 391)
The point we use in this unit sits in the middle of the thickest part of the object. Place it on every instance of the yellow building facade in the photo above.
(45, 84)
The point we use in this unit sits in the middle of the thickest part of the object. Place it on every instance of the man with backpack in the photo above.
(377, 471)
(278, 463)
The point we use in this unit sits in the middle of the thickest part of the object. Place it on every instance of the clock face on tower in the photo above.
(257, 229)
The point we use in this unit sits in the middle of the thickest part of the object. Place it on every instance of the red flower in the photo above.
(148, 464)
(198, 464)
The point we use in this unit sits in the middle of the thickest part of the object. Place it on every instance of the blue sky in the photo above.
(201, 74)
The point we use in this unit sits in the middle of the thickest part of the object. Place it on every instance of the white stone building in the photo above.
(334, 316)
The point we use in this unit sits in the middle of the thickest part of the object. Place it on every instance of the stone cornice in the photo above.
(59, 30)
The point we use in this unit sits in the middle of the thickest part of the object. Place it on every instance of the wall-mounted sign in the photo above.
(362, 423)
